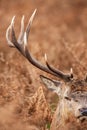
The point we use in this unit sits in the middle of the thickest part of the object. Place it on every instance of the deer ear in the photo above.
(52, 85)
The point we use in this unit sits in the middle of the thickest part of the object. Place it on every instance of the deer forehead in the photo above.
(77, 85)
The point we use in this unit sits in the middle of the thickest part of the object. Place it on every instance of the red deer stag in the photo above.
(71, 112)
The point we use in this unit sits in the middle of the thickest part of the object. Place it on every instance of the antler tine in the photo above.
(11, 33)
(67, 77)
(71, 72)
(28, 27)
(8, 33)
(21, 35)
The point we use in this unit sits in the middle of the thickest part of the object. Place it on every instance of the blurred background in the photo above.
(59, 30)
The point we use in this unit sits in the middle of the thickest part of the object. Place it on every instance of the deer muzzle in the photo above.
(83, 114)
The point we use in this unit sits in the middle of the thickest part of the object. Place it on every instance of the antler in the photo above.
(21, 45)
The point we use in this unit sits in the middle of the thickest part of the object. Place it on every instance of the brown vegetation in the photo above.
(58, 25)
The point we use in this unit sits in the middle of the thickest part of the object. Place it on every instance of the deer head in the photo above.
(72, 92)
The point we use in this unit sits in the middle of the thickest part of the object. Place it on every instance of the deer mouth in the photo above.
(82, 118)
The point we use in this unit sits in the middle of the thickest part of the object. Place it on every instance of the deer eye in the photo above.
(68, 98)
(76, 100)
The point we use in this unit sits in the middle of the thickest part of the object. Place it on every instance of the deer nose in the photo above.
(83, 111)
